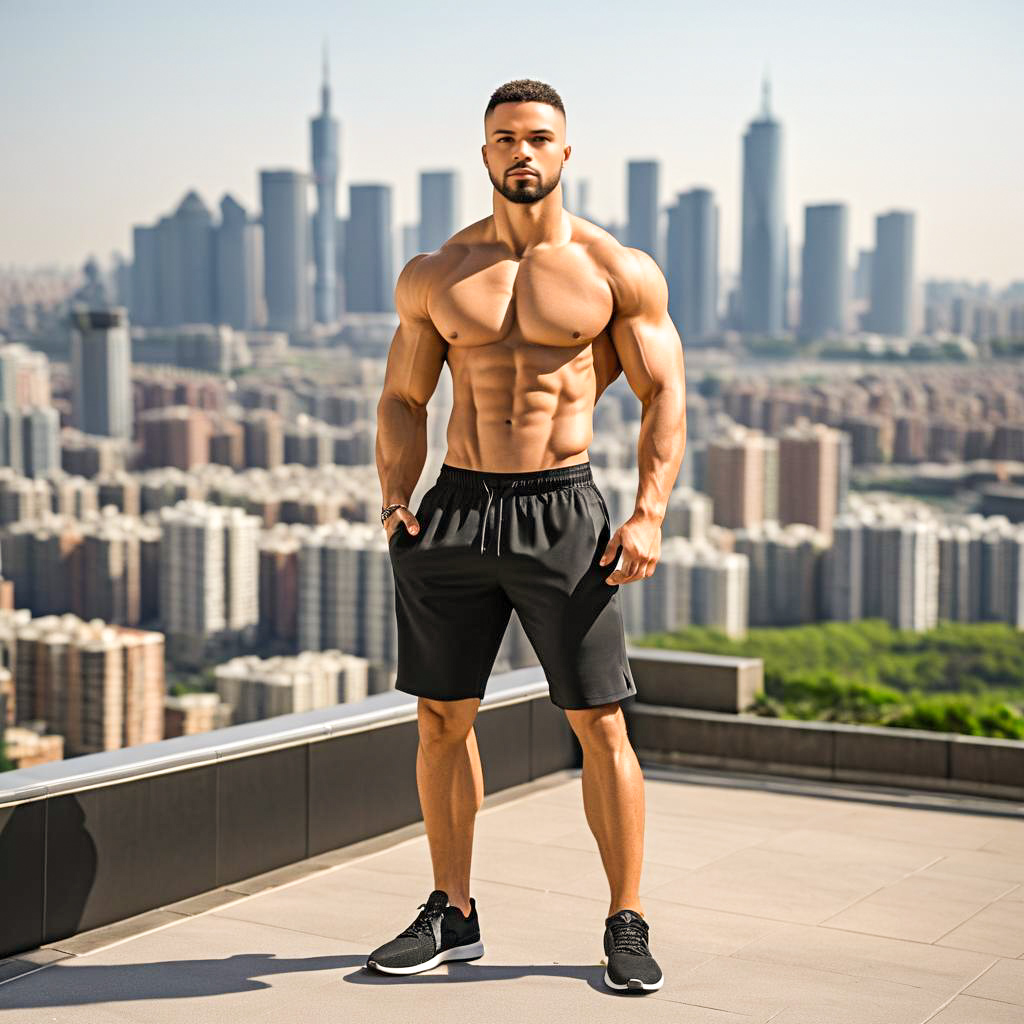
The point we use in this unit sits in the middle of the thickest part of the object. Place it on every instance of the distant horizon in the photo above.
(112, 115)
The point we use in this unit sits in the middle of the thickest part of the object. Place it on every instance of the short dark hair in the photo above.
(525, 90)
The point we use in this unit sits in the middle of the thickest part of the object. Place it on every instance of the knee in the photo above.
(600, 728)
(444, 722)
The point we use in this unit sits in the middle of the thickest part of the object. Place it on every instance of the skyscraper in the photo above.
(642, 206)
(763, 243)
(239, 267)
(145, 300)
(892, 274)
(691, 259)
(369, 264)
(40, 438)
(170, 282)
(324, 130)
(862, 275)
(285, 249)
(823, 270)
(193, 224)
(439, 208)
(101, 400)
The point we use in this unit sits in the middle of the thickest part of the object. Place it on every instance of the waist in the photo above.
(535, 482)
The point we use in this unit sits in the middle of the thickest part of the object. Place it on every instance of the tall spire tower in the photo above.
(326, 160)
(763, 246)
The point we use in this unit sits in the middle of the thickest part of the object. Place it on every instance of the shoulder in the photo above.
(419, 276)
(426, 268)
(634, 277)
(629, 273)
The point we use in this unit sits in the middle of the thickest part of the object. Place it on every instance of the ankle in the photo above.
(632, 906)
(462, 903)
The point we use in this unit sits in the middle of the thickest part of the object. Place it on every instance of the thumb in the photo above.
(609, 552)
(412, 524)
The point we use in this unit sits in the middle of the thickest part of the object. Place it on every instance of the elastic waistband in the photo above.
(520, 483)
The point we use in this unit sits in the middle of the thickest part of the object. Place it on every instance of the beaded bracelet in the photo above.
(385, 512)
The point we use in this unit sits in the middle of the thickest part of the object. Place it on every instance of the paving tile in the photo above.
(841, 847)
(204, 968)
(562, 869)
(680, 841)
(922, 907)
(777, 884)
(1009, 842)
(935, 969)
(946, 829)
(492, 992)
(759, 808)
(809, 996)
(95, 938)
(1004, 981)
(531, 821)
(981, 864)
(340, 907)
(998, 928)
(971, 1010)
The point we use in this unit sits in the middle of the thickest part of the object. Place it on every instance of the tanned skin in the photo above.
(536, 312)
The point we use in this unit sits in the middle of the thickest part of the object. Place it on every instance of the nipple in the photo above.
(575, 334)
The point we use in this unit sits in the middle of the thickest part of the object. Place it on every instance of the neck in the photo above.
(524, 226)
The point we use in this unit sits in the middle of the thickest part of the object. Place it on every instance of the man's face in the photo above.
(528, 138)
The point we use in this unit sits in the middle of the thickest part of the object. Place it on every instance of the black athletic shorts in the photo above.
(491, 542)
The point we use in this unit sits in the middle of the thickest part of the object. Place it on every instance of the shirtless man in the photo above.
(536, 312)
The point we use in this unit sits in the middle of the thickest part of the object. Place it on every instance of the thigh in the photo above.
(551, 572)
(450, 609)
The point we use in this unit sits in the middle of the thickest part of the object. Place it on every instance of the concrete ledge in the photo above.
(975, 759)
(909, 758)
(686, 679)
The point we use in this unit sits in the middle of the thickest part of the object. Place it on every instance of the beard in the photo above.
(525, 190)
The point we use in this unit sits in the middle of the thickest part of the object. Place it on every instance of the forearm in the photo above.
(401, 448)
(660, 451)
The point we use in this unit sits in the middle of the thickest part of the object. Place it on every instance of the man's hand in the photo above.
(401, 515)
(640, 539)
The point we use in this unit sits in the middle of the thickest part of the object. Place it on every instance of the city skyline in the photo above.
(942, 147)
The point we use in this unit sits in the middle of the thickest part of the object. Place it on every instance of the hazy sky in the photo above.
(110, 111)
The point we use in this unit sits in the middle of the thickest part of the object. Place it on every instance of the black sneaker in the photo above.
(630, 965)
(440, 932)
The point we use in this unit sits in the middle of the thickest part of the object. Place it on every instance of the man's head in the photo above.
(524, 129)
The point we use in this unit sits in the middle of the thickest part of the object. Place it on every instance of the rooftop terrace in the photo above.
(770, 900)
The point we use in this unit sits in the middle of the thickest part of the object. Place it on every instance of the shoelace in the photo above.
(630, 937)
(422, 925)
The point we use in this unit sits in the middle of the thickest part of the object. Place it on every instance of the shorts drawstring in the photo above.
(487, 508)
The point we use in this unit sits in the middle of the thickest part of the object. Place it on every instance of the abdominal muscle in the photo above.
(520, 407)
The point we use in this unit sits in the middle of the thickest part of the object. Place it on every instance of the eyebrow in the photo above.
(536, 131)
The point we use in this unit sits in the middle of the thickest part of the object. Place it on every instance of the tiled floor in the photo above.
(790, 907)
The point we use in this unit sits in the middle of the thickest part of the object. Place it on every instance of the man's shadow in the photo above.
(69, 984)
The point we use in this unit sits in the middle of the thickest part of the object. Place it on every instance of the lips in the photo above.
(522, 174)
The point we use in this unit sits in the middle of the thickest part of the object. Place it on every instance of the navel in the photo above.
(454, 334)
(575, 334)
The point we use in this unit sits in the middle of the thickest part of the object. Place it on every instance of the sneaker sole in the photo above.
(471, 951)
(635, 984)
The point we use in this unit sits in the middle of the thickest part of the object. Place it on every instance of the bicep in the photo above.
(644, 336)
(418, 351)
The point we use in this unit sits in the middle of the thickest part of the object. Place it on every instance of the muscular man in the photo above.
(536, 312)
